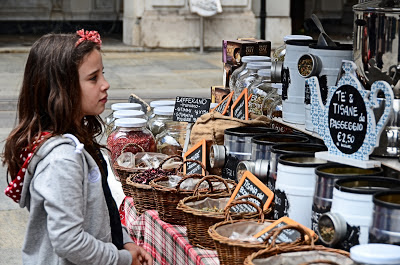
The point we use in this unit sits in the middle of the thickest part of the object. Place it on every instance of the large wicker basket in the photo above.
(234, 252)
(199, 221)
(274, 250)
(142, 194)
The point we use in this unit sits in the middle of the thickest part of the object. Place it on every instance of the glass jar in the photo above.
(260, 89)
(280, 52)
(162, 115)
(248, 78)
(242, 69)
(172, 140)
(115, 107)
(158, 103)
(120, 114)
(131, 135)
(272, 105)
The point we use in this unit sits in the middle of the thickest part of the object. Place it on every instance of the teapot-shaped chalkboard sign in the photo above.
(347, 123)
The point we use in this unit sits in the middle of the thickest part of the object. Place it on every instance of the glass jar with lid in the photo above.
(130, 135)
(242, 69)
(158, 103)
(248, 78)
(109, 120)
(172, 140)
(161, 116)
(120, 114)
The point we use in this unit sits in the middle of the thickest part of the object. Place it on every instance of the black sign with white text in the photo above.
(189, 109)
(347, 118)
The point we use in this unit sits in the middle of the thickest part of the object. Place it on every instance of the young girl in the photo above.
(55, 163)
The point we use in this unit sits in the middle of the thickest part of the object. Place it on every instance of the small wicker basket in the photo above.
(234, 252)
(198, 221)
(122, 173)
(142, 194)
(274, 250)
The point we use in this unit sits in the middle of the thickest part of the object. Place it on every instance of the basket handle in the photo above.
(192, 161)
(194, 176)
(132, 144)
(236, 202)
(279, 230)
(248, 196)
(211, 177)
(168, 158)
(320, 261)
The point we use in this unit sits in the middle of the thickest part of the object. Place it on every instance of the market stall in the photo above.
(304, 142)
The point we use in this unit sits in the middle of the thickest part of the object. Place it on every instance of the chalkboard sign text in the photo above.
(250, 184)
(223, 106)
(240, 108)
(197, 152)
(347, 118)
(188, 109)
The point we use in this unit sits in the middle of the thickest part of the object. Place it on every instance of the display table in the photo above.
(168, 244)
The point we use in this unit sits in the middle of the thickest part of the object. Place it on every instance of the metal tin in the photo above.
(352, 201)
(217, 156)
(261, 145)
(326, 177)
(238, 140)
(385, 227)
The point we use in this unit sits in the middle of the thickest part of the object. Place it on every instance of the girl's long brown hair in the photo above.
(50, 97)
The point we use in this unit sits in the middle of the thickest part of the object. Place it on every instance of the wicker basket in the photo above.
(142, 194)
(167, 198)
(122, 173)
(274, 250)
(199, 221)
(234, 252)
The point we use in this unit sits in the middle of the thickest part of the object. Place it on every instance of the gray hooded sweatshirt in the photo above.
(69, 221)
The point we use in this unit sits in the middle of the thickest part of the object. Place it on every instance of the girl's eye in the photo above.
(94, 78)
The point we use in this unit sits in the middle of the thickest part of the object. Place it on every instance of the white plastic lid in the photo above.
(213, 105)
(159, 103)
(130, 122)
(264, 72)
(254, 58)
(120, 114)
(376, 254)
(258, 65)
(165, 110)
(126, 106)
(297, 37)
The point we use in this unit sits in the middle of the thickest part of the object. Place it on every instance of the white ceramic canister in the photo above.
(326, 64)
(294, 187)
(293, 107)
(371, 254)
(351, 212)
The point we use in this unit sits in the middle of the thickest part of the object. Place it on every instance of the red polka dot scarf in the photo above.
(14, 188)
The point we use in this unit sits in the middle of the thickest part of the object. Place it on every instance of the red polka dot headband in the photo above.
(92, 36)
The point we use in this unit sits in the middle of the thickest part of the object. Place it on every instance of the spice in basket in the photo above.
(214, 209)
(148, 175)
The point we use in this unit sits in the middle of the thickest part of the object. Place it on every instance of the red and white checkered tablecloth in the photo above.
(168, 244)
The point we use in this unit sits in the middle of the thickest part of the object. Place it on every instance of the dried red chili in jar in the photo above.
(131, 135)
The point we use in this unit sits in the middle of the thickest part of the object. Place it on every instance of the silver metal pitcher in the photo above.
(376, 53)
